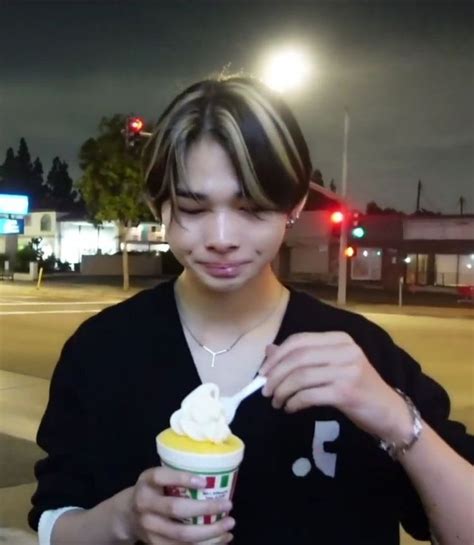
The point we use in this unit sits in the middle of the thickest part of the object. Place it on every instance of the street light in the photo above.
(286, 69)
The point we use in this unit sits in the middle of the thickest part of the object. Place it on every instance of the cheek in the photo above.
(269, 240)
(178, 237)
(181, 240)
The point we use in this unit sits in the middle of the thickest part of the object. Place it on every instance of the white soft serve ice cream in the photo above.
(202, 416)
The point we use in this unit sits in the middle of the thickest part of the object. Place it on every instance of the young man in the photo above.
(228, 172)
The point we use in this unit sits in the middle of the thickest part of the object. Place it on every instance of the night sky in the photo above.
(403, 68)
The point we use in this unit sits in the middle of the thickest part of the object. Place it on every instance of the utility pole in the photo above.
(418, 197)
(342, 273)
(462, 200)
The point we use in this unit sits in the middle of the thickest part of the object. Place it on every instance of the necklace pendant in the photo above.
(214, 354)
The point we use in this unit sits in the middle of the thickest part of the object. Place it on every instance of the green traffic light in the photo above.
(358, 232)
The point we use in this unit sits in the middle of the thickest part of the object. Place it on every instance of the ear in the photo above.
(296, 211)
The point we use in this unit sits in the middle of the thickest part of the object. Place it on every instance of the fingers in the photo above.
(303, 379)
(270, 350)
(300, 341)
(313, 397)
(314, 358)
(183, 508)
(158, 517)
(160, 540)
(157, 526)
(164, 476)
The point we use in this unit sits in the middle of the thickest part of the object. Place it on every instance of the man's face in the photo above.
(219, 242)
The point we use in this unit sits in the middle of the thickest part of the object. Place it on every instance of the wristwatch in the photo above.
(396, 450)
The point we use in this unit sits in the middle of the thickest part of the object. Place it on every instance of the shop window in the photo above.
(45, 223)
(367, 264)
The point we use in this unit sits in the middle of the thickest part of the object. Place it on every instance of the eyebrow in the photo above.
(196, 195)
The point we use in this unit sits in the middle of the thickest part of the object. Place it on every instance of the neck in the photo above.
(234, 307)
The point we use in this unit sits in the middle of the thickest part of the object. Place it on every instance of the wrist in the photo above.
(405, 429)
(123, 526)
(399, 424)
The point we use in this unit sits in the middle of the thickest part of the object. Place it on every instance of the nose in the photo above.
(222, 232)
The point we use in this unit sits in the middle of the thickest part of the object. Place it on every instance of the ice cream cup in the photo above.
(218, 463)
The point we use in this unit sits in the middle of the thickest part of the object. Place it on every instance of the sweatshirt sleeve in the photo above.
(65, 475)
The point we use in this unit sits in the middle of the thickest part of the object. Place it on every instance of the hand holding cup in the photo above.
(156, 516)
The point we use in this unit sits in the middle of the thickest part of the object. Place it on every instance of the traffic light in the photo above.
(337, 217)
(357, 231)
(350, 251)
(133, 131)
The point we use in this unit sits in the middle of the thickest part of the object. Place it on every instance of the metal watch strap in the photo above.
(392, 448)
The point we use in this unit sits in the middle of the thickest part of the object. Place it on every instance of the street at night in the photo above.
(257, 152)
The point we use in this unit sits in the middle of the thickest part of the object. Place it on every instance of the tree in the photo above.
(112, 184)
(23, 160)
(19, 175)
(374, 208)
(60, 186)
(8, 171)
(317, 177)
(37, 172)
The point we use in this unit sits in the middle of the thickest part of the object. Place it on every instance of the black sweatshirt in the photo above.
(126, 370)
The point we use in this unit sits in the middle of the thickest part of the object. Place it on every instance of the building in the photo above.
(70, 237)
(310, 249)
(423, 250)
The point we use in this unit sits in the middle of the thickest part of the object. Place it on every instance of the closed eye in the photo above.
(252, 211)
(191, 212)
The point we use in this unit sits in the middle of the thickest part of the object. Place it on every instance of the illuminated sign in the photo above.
(11, 227)
(13, 204)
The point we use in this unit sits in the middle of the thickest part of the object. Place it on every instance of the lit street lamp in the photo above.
(286, 69)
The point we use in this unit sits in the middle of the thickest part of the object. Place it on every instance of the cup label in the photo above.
(218, 486)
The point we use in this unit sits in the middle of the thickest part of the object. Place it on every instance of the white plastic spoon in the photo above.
(231, 404)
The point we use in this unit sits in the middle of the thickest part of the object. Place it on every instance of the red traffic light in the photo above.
(135, 124)
(337, 217)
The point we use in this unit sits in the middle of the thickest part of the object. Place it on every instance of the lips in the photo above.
(224, 270)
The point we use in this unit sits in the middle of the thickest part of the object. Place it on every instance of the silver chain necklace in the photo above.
(215, 353)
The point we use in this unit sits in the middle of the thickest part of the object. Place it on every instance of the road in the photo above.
(32, 333)
(33, 329)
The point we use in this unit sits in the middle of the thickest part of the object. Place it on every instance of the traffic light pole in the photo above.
(342, 273)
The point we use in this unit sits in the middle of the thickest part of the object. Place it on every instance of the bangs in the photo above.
(256, 129)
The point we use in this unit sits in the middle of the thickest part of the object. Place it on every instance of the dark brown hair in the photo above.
(252, 123)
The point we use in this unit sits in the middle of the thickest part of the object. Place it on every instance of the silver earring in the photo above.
(290, 222)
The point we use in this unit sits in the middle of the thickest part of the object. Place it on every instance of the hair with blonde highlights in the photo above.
(253, 124)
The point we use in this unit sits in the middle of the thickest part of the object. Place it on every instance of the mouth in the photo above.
(224, 270)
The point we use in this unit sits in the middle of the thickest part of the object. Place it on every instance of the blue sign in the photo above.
(13, 204)
(11, 227)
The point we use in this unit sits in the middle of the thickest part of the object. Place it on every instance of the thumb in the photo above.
(270, 350)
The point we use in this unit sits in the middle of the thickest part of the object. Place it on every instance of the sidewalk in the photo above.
(22, 403)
